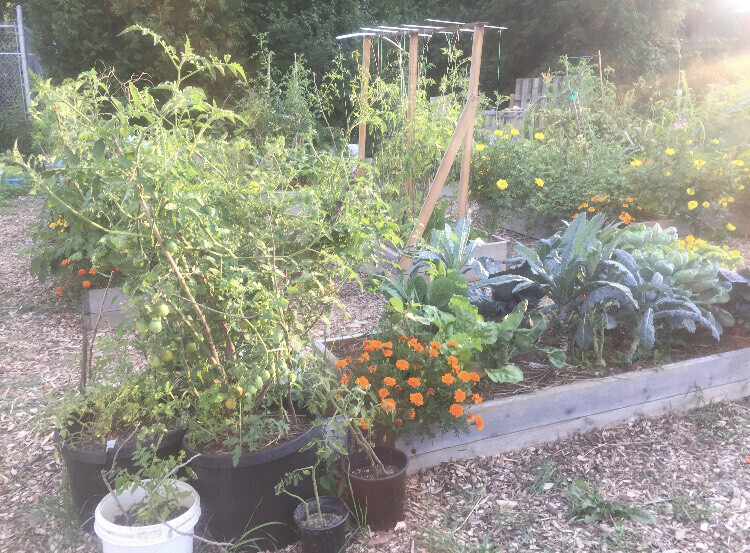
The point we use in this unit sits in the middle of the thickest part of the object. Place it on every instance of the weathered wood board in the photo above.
(114, 308)
(553, 413)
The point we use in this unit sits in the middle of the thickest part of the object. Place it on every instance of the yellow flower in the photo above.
(479, 147)
(706, 204)
(254, 186)
(738, 162)
(698, 163)
(731, 227)
(669, 151)
(735, 252)
(498, 132)
(514, 132)
(725, 247)
(730, 199)
(689, 142)
(723, 202)
(692, 205)
(667, 173)
(690, 191)
(741, 187)
(636, 162)
(539, 136)
(715, 141)
(502, 184)
(539, 182)
(690, 153)
(690, 237)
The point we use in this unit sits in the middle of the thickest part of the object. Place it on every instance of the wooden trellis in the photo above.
(463, 134)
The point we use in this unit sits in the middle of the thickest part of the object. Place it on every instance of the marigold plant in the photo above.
(413, 385)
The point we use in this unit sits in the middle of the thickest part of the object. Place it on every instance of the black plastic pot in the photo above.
(241, 501)
(379, 500)
(84, 470)
(326, 539)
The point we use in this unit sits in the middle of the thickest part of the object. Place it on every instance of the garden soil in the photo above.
(690, 471)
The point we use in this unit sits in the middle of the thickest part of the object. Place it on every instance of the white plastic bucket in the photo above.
(156, 538)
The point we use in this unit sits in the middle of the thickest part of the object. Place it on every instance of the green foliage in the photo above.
(588, 505)
(225, 283)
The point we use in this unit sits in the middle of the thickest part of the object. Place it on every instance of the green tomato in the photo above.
(155, 326)
(258, 381)
(191, 347)
(154, 360)
(266, 374)
(252, 390)
(161, 310)
(245, 324)
(127, 289)
(167, 355)
(171, 246)
(230, 403)
(141, 326)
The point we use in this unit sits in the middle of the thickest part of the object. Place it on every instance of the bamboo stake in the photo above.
(476, 63)
(413, 61)
(366, 47)
(464, 122)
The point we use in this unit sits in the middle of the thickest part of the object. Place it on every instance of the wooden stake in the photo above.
(464, 123)
(476, 63)
(413, 75)
(366, 47)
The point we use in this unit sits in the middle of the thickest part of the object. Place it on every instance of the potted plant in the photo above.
(399, 385)
(225, 286)
(150, 511)
(321, 520)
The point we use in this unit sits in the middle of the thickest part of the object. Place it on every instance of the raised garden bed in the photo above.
(553, 413)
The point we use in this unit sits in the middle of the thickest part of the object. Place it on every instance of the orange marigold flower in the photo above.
(416, 399)
(419, 348)
(464, 376)
(411, 415)
(456, 410)
(341, 363)
(362, 382)
(389, 381)
(86, 284)
(372, 368)
(469, 417)
(398, 422)
(384, 393)
(474, 377)
(402, 339)
(371, 345)
(435, 345)
(412, 341)
(64, 262)
(459, 395)
(388, 345)
(387, 352)
(81, 272)
(479, 422)
(433, 352)
(92, 271)
(402, 364)
(452, 360)
(365, 424)
(476, 398)
(453, 344)
(58, 290)
(388, 404)
(413, 382)
(448, 379)
(344, 380)
(364, 357)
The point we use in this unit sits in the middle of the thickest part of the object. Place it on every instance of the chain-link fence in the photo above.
(11, 77)
(16, 63)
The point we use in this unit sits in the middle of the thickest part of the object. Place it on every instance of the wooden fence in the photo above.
(529, 91)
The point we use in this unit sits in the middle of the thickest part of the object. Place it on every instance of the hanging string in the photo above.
(343, 85)
(499, 35)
